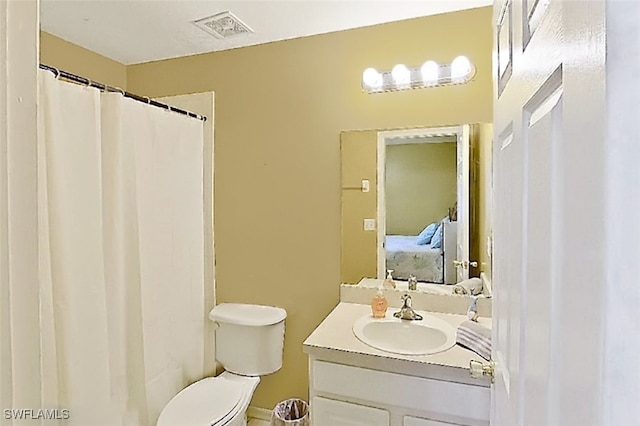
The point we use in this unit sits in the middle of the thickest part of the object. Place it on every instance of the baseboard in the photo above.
(258, 413)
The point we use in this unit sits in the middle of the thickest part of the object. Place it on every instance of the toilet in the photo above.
(249, 344)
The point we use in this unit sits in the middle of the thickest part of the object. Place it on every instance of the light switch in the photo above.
(365, 185)
(369, 224)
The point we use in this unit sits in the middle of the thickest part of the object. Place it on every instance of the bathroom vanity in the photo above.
(352, 383)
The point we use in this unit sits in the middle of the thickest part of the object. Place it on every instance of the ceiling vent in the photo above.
(223, 25)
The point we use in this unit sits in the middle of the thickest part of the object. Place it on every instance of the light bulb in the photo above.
(401, 75)
(372, 79)
(460, 69)
(430, 71)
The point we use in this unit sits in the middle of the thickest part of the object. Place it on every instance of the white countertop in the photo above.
(333, 340)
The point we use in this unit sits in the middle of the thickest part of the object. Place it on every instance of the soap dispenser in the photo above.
(388, 282)
(472, 312)
(379, 304)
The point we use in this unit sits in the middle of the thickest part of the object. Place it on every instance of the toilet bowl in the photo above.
(249, 344)
(213, 401)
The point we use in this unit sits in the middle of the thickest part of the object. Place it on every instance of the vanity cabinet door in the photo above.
(414, 421)
(328, 412)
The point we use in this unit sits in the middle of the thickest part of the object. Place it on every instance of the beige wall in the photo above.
(358, 247)
(69, 57)
(280, 108)
(420, 185)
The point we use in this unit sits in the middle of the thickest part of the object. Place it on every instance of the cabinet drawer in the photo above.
(327, 412)
(451, 400)
(414, 421)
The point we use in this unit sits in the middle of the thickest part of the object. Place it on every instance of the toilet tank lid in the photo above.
(251, 315)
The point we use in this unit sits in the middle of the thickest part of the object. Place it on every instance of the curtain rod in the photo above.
(77, 79)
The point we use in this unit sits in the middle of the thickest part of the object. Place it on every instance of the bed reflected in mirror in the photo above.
(426, 214)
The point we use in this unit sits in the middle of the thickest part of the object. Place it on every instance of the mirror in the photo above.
(400, 184)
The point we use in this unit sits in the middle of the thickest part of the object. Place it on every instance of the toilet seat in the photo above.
(213, 401)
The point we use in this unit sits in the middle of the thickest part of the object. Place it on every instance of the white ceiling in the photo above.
(134, 31)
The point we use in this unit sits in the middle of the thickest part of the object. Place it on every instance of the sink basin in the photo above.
(428, 336)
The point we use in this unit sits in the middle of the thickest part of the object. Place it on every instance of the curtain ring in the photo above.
(147, 99)
(89, 82)
(116, 90)
(57, 71)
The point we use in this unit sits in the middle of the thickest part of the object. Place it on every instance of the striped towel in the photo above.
(475, 337)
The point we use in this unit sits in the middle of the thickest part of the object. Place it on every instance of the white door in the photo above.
(462, 246)
(560, 187)
(528, 119)
(20, 349)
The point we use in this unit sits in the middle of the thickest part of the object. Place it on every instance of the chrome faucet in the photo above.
(407, 312)
(413, 282)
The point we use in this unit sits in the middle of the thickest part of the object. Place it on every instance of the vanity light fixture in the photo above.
(372, 79)
(430, 74)
(401, 76)
(460, 69)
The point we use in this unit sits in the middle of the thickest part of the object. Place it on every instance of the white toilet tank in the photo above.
(250, 338)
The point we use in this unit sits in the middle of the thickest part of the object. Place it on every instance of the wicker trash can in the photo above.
(291, 412)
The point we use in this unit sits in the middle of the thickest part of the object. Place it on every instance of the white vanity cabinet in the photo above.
(353, 384)
(346, 395)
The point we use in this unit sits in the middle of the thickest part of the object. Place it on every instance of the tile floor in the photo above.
(256, 422)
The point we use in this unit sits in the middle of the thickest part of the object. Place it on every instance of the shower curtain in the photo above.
(121, 240)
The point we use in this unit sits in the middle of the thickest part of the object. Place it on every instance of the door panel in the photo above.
(504, 45)
(534, 10)
(507, 244)
(541, 138)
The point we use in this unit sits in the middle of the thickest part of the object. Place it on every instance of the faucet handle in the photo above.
(407, 312)
(412, 282)
(406, 300)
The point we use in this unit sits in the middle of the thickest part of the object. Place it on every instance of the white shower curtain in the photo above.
(121, 254)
